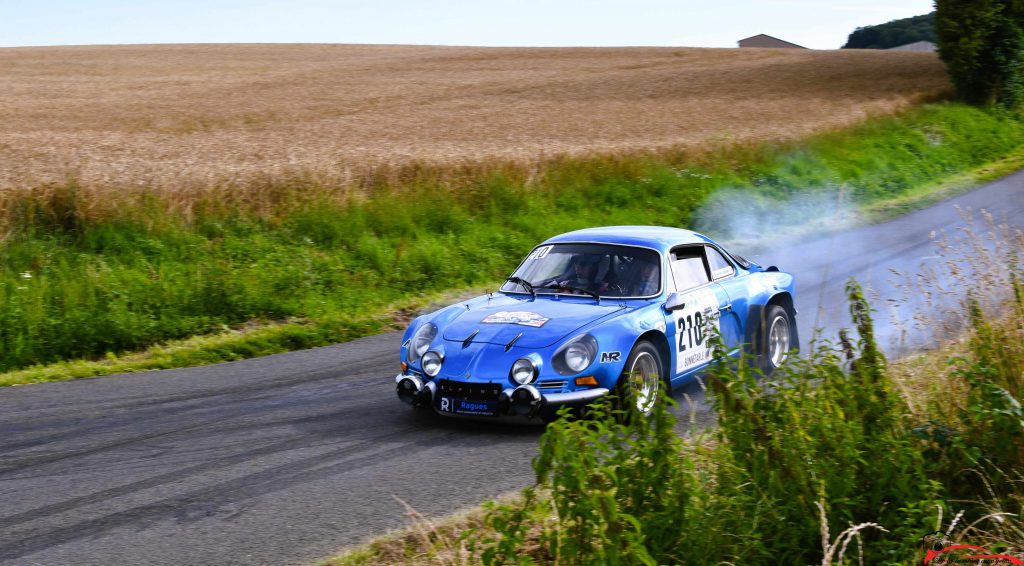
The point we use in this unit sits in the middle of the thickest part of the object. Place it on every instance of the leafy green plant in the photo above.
(982, 43)
(826, 429)
(618, 487)
(992, 418)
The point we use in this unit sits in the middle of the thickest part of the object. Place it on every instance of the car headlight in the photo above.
(576, 355)
(420, 341)
(523, 371)
(431, 363)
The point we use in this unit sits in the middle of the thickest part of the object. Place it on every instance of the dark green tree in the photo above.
(982, 44)
(894, 33)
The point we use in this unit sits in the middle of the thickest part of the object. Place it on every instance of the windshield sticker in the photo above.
(524, 318)
(539, 253)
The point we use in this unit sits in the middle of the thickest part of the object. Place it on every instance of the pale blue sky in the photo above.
(821, 24)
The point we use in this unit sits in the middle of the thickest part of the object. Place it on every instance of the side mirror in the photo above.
(674, 302)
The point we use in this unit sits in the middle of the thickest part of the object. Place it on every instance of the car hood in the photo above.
(543, 321)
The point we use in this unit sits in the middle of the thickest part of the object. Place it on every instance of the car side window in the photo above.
(720, 267)
(688, 268)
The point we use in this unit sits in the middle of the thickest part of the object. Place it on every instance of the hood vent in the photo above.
(513, 341)
(469, 339)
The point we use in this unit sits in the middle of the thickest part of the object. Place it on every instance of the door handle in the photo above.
(724, 308)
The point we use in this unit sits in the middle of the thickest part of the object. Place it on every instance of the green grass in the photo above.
(326, 264)
(247, 341)
(932, 193)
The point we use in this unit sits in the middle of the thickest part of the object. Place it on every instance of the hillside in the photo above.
(117, 116)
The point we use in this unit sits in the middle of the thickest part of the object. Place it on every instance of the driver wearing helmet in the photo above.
(583, 274)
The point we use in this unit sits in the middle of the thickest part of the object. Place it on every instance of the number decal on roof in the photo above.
(539, 253)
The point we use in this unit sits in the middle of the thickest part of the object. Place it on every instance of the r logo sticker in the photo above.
(610, 357)
(446, 404)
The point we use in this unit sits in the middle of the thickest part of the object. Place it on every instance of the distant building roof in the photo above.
(762, 40)
(916, 46)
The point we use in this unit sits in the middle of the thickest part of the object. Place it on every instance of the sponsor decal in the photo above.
(466, 407)
(607, 357)
(523, 318)
(721, 272)
(693, 322)
(697, 358)
(938, 550)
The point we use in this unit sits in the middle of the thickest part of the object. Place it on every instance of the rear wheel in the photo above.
(642, 379)
(775, 339)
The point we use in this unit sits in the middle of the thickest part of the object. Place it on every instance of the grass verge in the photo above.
(89, 283)
(248, 341)
(932, 193)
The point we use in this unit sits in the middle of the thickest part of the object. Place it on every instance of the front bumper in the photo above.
(522, 401)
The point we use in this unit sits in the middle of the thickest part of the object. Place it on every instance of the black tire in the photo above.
(774, 339)
(638, 385)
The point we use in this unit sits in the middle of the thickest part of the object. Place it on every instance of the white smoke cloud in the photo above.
(743, 219)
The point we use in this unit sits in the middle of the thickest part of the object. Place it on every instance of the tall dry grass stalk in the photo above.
(976, 262)
(842, 540)
(445, 548)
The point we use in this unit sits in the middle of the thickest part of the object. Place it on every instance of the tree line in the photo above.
(894, 33)
(981, 42)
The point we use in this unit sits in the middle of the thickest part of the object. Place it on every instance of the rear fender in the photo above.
(756, 321)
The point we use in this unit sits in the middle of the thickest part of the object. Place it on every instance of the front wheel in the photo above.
(775, 339)
(642, 378)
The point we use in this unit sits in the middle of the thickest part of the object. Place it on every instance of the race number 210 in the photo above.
(691, 331)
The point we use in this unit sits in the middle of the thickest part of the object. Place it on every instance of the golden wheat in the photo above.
(207, 115)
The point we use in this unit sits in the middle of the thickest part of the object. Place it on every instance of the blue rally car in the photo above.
(624, 309)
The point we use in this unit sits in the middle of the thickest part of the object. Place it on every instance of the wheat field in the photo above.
(164, 116)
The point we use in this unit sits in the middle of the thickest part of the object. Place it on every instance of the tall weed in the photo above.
(826, 429)
(826, 445)
(618, 488)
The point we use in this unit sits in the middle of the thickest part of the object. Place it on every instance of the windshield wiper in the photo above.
(526, 284)
(570, 288)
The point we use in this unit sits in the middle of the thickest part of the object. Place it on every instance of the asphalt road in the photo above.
(284, 459)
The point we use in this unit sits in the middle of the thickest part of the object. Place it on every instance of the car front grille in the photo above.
(549, 385)
(469, 391)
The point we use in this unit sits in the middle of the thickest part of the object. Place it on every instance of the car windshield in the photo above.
(601, 269)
